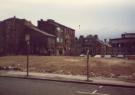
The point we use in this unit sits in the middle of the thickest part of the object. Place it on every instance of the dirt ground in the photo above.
(98, 67)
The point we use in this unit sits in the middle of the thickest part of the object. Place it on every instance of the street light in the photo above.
(27, 39)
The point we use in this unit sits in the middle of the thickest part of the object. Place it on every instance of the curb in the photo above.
(70, 81)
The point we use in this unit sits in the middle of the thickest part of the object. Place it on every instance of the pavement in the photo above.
(21, 86)
(67, 78)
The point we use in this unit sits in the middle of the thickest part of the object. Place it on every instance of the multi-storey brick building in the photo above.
(65, 36)
(94, 45)
(12, 38)
(124, 45)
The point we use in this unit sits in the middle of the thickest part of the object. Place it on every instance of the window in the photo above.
(59, 40)
(58, 29)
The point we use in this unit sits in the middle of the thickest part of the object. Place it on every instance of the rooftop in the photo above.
(51, 21)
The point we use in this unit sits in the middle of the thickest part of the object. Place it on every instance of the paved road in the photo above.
(16, 86)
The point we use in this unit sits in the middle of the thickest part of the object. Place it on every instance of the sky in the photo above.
(107, 18)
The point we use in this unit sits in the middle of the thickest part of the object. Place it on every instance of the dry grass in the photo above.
(113, 67)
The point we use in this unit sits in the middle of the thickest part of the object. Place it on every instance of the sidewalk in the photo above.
(67, 78)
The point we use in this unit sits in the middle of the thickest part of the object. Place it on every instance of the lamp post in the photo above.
(27, 39)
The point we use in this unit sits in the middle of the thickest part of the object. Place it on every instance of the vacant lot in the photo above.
(99, 67)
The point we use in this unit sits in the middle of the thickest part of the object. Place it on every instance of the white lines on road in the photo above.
(83, 93)
(94, 91)
(97, 89)
(101, 86)
(91, 93)
(88, 93)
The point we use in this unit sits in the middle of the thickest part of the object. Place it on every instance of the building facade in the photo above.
(94, 45)
(65, 36)
(12, 38)
(124, 45)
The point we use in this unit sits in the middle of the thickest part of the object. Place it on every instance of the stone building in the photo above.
(94, 45)
(12, 38)
(65, 36)
(124, 45)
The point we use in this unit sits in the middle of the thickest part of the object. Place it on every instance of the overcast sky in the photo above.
(107, 18)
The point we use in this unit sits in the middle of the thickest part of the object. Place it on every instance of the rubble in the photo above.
(10, 68)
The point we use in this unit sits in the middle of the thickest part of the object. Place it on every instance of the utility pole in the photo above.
(87, 65)
(27, 39)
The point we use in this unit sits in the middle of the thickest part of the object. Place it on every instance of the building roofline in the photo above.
(38, 30)
(64, 26)
(30, 25)
(51, 21)
(121, 38)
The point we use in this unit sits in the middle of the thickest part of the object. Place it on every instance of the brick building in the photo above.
(12, 38)
(94, 45)
(65, 36)
(124, 45)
